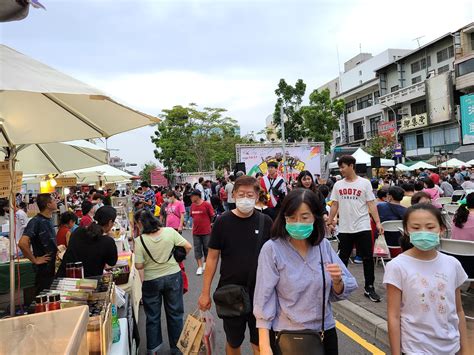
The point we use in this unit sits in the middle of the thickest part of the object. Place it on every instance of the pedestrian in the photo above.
(432, 191)
(424, 309)
(274, 185)
(292, 289)
(202, 214)
(87, 214)
(468, 183)
(66, 221)
(174, 211)
(148, 196)
(92, 245)
(40, 236)
(229, 188)
(236, 238)
(447, 188)
(223, 196)
(162, 280)
(305, 180)
(409, 191)
(353, 198)
(199, 186)
(188, 219)
(21, 218)
(392, 210)
(420, 197)
(463, 228)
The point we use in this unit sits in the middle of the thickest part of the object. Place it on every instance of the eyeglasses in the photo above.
(246, 195)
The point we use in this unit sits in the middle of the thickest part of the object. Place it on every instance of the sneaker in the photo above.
(199, 271)
(358, 260)
(369, 291)
(203, 266)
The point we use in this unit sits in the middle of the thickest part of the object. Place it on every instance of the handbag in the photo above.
(234, 300)
(304, 342)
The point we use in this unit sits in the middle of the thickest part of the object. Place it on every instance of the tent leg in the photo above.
(11, 168)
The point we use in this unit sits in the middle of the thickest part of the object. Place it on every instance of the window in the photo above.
(443, 69)
(376, 96)
(472, 41)
(394, 88)
(410, 141)
(418, 107)
(350, 106)
(420, 142)
(465, 67)
(423, 63)
(415, 67)
(358, 131)
(451, 135)
(445, 54)
(364, 102)
(416, 79)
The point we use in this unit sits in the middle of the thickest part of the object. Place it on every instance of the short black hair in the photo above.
(348, 160)
(291, 203)
(408, 187)
(201, 179)
(419, 186)
(382, 193)
(86, 207)
(272, 164)
(67, 217)
(396, 193)
(429, 183)
(196, 193)
(324, 189)
(42, 201)
(375, 184)
(145, 184)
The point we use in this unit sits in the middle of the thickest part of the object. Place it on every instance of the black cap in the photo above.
(273, 164)
(196, 193)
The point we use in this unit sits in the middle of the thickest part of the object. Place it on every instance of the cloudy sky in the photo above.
(153, 54)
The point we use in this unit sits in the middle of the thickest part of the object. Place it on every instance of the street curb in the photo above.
(368, 322)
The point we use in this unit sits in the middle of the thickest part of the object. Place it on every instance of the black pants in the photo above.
(330, 343)
(43, 279)
(363, 243)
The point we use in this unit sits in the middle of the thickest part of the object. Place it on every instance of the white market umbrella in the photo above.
(105, 173)
(453, 163)
(39, 104)
(401, 167)
(49, 158)
(470, 162)
(421, 165)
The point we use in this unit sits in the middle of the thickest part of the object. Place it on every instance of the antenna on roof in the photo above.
(360, 48)
(417, 39)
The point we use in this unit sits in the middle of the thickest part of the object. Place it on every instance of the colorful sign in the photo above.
(298, 157)
(414, 122)
(387, 127)
(66, 181)
(157, 177)
(467, 119)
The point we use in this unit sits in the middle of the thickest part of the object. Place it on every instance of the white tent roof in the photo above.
(54, 158)
(39, 104)
(470, 162)
(363, 157)
(421, 165)
(454, 163)
(401, 167)
(105, 172)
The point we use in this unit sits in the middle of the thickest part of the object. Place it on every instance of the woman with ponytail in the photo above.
(92, 245)
(463, 228)
(163, 282)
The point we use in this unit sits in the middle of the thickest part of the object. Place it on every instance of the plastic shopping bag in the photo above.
(381, 247)
(209, 339)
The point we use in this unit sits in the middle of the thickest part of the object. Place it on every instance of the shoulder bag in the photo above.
(179, 253)
(234, 300)
(304, 342)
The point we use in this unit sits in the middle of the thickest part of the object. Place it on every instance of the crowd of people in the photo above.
(278, 271)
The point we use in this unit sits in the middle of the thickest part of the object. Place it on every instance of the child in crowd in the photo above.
(425, 314)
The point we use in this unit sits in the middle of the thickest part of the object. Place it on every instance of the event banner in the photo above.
(299, 157)
(467, 118)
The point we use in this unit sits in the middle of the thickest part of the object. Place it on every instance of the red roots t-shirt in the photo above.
(202, 216)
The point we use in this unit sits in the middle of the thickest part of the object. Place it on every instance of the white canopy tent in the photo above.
(363, 157)
(421, 165)
(105, 173)
(470, 162)
(400, 167)
(453, 163)
(39, 104)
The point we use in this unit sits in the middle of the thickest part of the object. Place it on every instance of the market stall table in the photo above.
(27, 279)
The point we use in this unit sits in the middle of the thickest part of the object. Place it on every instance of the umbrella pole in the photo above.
(11, 168)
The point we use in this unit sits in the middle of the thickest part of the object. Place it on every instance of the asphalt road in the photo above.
(347, 345)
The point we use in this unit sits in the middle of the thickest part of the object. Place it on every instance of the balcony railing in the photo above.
(403, 94)
(356, 137)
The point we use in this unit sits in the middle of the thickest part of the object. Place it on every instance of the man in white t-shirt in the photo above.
(200, 187)
(229, 188)
(353, 198)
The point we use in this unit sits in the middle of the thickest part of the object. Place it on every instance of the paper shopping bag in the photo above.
(191, 336)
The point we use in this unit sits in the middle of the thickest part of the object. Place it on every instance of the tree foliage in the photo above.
(321, 116)
(291, 98)
(189, 139)
(382, 146)
(145, 173)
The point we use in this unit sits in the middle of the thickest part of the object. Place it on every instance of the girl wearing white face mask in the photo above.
(425, 314)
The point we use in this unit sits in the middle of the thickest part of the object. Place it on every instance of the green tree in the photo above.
(189, 139)
(382, 146)
(291, 98)
(145, 173)
(321, 116)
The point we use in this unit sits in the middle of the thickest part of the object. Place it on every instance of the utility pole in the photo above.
(282, 119)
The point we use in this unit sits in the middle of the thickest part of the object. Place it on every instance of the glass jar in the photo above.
(41, 303)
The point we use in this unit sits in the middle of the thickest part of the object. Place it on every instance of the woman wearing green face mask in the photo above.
(423, 290)
(299, 273)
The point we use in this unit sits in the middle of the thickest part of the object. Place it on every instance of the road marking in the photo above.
(358, 339)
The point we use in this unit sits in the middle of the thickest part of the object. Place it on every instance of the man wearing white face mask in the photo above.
(236, 236)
